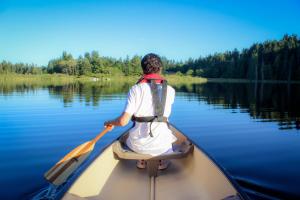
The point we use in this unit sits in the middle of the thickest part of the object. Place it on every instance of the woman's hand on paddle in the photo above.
(108, 125)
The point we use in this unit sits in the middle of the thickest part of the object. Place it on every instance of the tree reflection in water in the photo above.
(263, 101)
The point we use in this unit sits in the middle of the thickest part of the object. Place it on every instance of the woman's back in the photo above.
(140, 104)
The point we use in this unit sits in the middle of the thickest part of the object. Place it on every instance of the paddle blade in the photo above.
(60, 172)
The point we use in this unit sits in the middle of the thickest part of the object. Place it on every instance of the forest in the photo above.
(270, 60)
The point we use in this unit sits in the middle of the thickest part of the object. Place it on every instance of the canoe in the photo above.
(192, 174)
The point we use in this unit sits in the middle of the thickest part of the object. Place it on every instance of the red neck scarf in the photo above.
(147, 77)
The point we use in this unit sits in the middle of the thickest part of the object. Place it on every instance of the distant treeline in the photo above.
(271, 60)
(21, 68)
(89, 64)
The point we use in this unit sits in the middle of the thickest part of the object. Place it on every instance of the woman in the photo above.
(149, 105)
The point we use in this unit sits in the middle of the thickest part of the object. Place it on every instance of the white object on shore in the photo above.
(95, 79)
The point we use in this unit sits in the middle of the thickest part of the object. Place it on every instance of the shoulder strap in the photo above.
(164, 95)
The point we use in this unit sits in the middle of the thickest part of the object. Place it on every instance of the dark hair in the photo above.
(151, 63)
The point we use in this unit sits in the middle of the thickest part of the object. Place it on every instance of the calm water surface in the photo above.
(251, 130)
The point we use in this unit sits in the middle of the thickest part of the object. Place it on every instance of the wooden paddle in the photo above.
(60, 172)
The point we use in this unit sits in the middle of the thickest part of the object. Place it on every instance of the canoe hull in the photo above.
(193, 177)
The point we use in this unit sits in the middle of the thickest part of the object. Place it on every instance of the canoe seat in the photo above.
(122, 152)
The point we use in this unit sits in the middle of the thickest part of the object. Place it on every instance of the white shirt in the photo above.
(139, 104)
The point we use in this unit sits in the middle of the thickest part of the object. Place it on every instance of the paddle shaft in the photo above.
(100, 135)
(89, 146)
(86, 147)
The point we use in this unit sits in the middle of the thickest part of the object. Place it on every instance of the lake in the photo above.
(251, 130)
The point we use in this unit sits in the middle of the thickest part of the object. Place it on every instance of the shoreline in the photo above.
(60, 79)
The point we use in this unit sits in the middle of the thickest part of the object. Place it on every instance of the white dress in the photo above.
(139, 103)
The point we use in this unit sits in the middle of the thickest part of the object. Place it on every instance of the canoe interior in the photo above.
(192, 177)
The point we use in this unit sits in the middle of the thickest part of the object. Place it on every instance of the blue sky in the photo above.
(35, 31)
